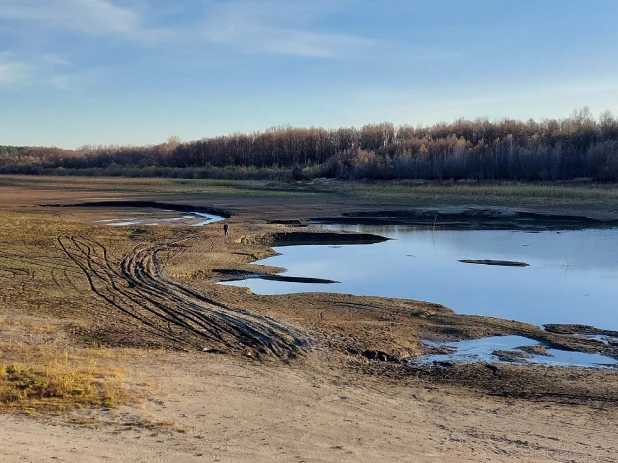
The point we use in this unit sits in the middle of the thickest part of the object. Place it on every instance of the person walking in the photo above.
(225, 228)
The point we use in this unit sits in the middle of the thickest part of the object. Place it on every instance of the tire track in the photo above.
(110, 293)
(15, 277)
(139, 288)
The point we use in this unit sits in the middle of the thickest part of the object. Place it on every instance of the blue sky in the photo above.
(75, 72)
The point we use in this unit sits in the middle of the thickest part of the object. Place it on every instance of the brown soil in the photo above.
(155, 287)
(511, 355)
(535, 350)
(578, 329)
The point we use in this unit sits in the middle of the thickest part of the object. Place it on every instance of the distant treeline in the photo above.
(578, 146)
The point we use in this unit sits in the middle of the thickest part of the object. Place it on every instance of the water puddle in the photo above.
(162, 217)
(206, 219)
(122, 224)
(511, 349)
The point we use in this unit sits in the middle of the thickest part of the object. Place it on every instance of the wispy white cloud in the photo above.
(40, 20)
(47, 69)
(88, 17)
(74, 80)
(277, 28)
(14, 72)
(56, 59)
(265, 26)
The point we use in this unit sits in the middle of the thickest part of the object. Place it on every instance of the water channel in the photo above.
(160, 217)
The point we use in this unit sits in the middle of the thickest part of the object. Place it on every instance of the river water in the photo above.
(572, 277)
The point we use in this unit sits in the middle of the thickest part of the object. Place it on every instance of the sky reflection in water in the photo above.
(481, 350)
(572, 276)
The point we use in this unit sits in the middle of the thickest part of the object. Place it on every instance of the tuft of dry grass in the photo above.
(61, 384)
(51, 378)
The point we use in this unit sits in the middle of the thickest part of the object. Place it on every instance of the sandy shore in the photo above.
(223, 409)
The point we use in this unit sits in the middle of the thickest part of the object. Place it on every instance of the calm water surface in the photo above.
(572, 278)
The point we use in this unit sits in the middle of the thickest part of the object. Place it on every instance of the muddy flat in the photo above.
(221, 373)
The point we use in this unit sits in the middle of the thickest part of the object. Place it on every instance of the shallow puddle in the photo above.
(484, 350)
(161, 217)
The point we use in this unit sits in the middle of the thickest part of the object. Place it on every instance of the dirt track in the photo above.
(138, 287)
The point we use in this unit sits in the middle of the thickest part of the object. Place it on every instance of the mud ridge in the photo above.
(237, 275)
(456, 218)
(297, 238)
(578, 329)
(503, 263)
(148, 204)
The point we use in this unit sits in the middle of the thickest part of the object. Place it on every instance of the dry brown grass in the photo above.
(25, 325)
(54, 387)
(51, 378)
(44, 302)
(55, 381)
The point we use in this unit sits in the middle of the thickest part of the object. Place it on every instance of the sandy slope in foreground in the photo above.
(232, 410)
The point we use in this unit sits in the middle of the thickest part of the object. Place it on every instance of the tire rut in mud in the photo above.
(139, 288)
(14, 276)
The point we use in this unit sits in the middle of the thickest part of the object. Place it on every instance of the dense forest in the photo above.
(579, 146)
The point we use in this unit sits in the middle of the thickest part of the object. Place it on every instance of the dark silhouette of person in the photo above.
(225, 228)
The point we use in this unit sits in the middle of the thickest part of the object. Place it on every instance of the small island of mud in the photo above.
(503, 263)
